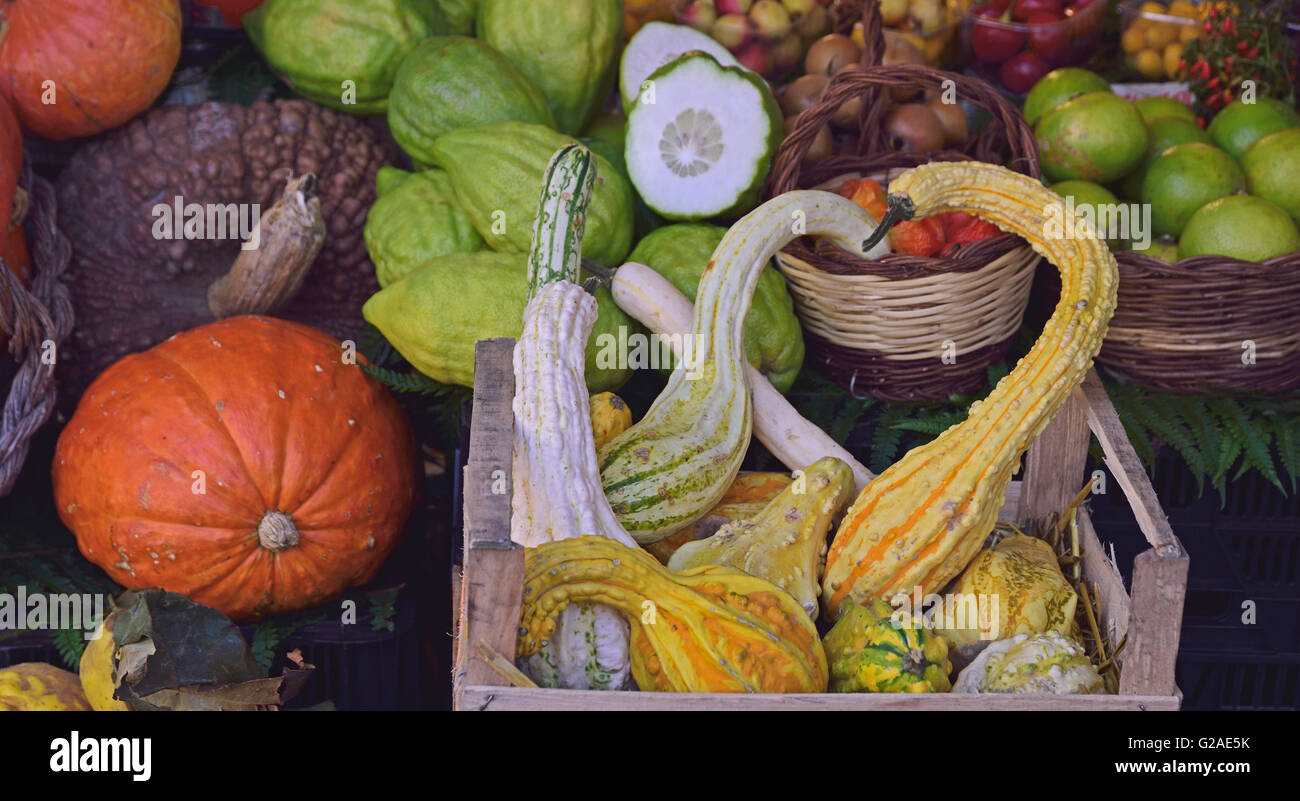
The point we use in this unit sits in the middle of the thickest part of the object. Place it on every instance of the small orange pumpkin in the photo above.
(242, 463)
(100, 62)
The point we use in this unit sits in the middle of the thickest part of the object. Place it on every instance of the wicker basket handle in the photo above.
(850, 83)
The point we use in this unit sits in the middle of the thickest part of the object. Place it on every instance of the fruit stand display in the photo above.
(726, 354)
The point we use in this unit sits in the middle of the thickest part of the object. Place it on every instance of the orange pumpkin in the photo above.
(100, 62)
(242, 463)
(13, 240)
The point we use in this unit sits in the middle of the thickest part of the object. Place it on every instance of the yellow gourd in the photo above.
(921, 521)
(38, 687)
(609, 417)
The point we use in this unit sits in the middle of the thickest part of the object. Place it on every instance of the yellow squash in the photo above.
(921, 521)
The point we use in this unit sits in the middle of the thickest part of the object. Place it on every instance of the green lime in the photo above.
(1089, 198)
(1241, 125)
(1272, 167)
(1164, 132)
(1058, 86)
(1153, 108)
(1240, 227)
(1184, 178)
(1163, 248)
(1098, 137)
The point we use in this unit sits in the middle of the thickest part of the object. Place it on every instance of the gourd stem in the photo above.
(275, 259)
(277, 532)
(900, 208)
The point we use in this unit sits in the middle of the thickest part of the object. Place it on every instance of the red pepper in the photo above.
(1254, 52)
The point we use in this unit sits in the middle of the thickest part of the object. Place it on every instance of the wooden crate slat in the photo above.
(521, 699)
(1055, 462)
(493, 577)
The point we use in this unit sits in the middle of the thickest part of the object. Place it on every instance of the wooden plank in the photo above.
(1055, 462)
(1124, 464)
(515, 698)
(493, 565)
(1101, 572)
(1154, 626)
(1010, 511)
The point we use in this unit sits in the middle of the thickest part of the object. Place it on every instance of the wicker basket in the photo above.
(40, 319)
(905, 327)
(1207, 324)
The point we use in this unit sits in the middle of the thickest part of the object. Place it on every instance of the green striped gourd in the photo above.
(557, 493)
(670, 468)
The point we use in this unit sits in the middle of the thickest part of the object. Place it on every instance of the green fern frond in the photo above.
(1286, 434)
(70, 643)
(886, 438)
(1162, 417)
(1255, 440)
(412, 382)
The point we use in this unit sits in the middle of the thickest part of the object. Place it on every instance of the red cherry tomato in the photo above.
(1049, 34)
(1019, 74)
(1023, 8)
(994, 41)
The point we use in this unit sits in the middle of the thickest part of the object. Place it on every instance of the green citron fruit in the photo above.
(1272, 167)
(1240, 227)
(1184, 178)
(415, 219)
(450, 82)
(1058, 86)
(566, 47)
(435, 314)
(460, 15)
(1153, 108)
(342, 53)
(773, 339)
(496, 170)
(1240, 125)
(1097, 137)
(1163, 133)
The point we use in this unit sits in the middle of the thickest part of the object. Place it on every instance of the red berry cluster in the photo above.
(1249, 46)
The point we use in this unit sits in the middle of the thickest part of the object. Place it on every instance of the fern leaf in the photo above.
(1163, 418)
(1255, 439)
(885, 439)
(1285, 434)
(70, 643)
(412, 382)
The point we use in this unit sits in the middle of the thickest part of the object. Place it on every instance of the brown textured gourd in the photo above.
(131, 289)
(921, 521)
(708, 630)
(786, 542)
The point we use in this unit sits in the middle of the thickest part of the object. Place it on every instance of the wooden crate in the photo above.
(1149, 618)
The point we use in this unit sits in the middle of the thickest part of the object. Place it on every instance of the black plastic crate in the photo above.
(1216, 621)
(30, 646)
(1215, 681)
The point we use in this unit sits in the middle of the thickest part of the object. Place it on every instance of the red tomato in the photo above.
(994, 40)
(1049, 34)
(1024, 8)
(922, 237)
(1021, 73)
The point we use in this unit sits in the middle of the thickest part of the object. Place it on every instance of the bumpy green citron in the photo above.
(1097, 136)
(496, 170)
(773, 338)
(436, 313)
(869, 653)
(415, 219)
(460, 15)
(450, 82)
(342, 53)
(567, 47)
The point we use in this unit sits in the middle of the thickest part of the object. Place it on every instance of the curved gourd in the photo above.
(921, 521)
(710, 629)
(670, 468)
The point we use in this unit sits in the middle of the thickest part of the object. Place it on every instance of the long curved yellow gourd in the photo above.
(710, 629)
(921, 521)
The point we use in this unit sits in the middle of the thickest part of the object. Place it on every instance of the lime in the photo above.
(1164, 133)
(1272, 167)
(1184, 178)
(1163, 248)
(1058, 86)
(1153, 108)
(1089, 198)
(1241, 125)
(1098, 137)
(1241, 227)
